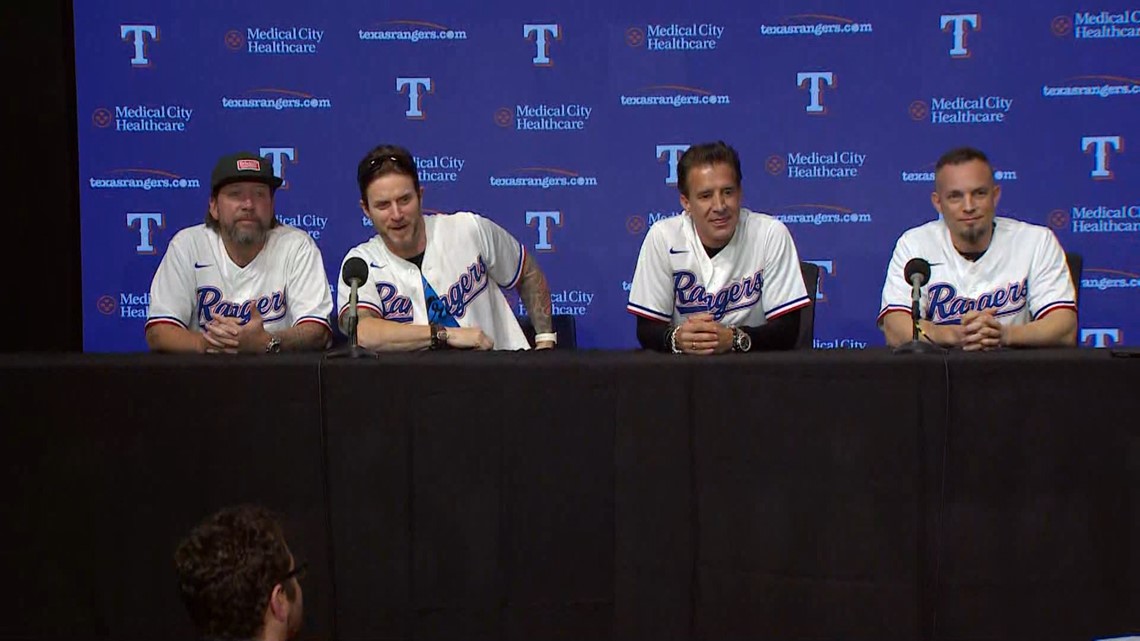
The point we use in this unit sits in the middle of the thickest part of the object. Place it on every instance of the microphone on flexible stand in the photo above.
(917, 273)
(354, 273)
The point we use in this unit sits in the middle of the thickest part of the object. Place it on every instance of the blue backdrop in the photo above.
(564, 122)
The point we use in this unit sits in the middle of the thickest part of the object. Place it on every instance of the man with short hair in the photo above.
(994, 281)
(718, 278)
(434, 281)
(241, 281)
(238, 578)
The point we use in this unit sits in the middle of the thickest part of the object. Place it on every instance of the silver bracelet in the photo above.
(673, 341)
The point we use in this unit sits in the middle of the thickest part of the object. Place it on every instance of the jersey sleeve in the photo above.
(784, 289)
(172, 290)
(309, 297)
(651, 294)
(366, 295)
(504, 254)
(896, 294)
(1050, 283)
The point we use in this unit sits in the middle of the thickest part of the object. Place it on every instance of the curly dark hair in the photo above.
(227, 569)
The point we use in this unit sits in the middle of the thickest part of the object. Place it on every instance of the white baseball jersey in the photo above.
(466, 261)
(197, 281)
(1021, 277)
(755, 278)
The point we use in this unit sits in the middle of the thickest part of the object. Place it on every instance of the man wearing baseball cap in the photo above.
(241, 281)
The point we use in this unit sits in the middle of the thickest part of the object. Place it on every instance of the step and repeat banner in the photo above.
(564, 124)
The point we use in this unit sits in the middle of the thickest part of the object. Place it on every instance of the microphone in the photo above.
(917, 269)
(355, 269)
(916, 273)
(354, 273)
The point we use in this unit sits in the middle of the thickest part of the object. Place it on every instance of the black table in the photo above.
(588, 495)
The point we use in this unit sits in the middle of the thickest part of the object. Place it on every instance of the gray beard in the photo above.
(245, 236)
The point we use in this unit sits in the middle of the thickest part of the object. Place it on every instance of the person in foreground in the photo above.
(238, 578)
(241, 281)
(434, 281)
(717, 278)
(994, 282)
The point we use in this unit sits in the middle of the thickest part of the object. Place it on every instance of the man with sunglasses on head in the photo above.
(434, 281)
(241, 281)
(238, 578)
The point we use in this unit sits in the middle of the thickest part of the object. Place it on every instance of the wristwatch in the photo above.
(741, 341)
(274, 345)
(438, 336)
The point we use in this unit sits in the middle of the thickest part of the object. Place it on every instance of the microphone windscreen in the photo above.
(354, 268)
(917, 266)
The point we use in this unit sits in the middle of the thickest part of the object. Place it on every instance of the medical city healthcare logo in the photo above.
(837, 164)
(311, 223)
(283, 41)
(1098, 218)
(675, 36)
(171, 118)
(567, 116)
(636, 224)
(125, 305)
(1099, 25)
(962, 110)
(440, 168)
(565, 302)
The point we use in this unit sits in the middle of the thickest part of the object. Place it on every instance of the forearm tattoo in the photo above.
(535, 294)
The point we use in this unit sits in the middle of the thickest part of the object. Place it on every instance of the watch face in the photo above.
(745, 342)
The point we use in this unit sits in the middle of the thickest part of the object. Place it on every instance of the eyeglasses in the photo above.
(297, 572)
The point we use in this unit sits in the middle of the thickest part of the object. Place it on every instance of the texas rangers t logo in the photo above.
(137, 33)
